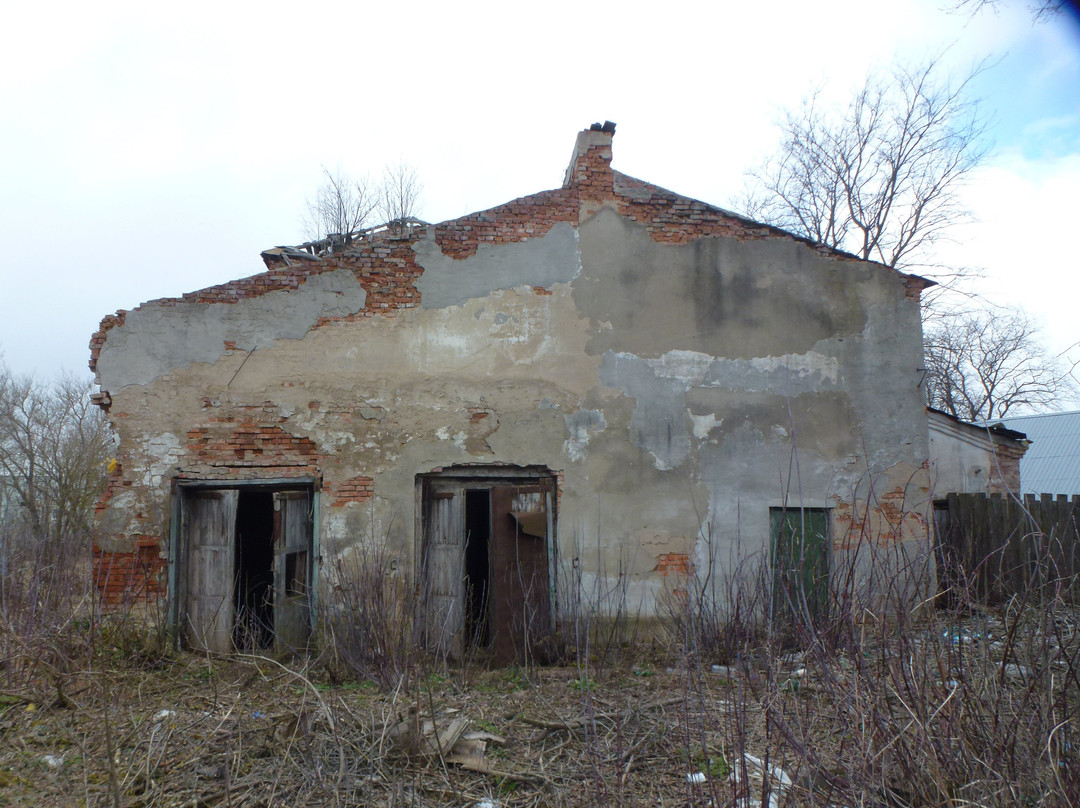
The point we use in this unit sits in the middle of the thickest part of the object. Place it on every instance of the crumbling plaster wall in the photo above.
(967, 459)
(680, 381)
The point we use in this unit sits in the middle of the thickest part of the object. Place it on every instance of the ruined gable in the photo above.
(624, 372)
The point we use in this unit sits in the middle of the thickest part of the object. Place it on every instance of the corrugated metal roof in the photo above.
(1052, 462)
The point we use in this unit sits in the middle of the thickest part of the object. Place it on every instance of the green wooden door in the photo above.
(800, 563)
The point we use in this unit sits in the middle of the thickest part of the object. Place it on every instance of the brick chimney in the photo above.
(590, 167)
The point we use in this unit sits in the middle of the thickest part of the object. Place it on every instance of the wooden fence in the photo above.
(994, 547)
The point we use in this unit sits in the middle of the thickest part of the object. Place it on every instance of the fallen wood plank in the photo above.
(579, 722)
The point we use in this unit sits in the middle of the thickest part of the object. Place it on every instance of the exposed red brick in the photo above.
(108, 322)
(519, 220)
(355, 489)
(673, 564)
(128, 577)
(250, 445)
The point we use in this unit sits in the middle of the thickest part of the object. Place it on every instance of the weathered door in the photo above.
(292, 569)
(442, 578)
(209, 524)
(800, 562)
(521, 606)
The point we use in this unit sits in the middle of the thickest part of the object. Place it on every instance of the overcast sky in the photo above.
(148, 150)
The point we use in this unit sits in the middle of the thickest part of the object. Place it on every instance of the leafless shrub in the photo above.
(600, 621)
(715, 614)
(341, 207)
(370, 618)
(399, 195)
(345, 210)
(890, 701)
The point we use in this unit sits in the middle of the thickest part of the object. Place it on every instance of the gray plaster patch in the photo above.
(156, 339)
(662, 423)
(543, 261)
(790, 374)
(719, 296)
(659, 423)
(580, 425)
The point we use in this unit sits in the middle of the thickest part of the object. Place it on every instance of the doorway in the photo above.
(243, 573)
(799, 554)
(487, 560)
(254, 591)
(477, 564)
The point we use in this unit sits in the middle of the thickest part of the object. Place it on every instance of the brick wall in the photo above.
(355, 489)
(249, 445)
(673, 564)
(137, 576)
(525, 218)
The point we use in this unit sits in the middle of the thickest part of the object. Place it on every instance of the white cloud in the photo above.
(147, 150)
(1024, 239)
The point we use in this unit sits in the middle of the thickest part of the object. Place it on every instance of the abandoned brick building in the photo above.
(602, 380)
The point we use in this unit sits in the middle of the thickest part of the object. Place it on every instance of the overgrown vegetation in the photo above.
(736, 695)
(885, 703)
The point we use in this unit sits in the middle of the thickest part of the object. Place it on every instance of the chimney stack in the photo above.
(590, 167)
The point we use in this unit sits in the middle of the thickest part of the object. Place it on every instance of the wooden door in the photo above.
(800, 562)
(520, 601)
(442, 564)
(292, 569)
(208, 527)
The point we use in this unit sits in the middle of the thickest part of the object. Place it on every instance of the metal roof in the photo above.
(1052, 462)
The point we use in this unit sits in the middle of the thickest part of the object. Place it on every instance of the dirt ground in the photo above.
(948, 713)
(254, 732)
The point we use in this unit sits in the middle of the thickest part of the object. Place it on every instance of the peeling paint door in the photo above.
(442, 578)
(209, 523)
(292, 569)
(521, 606)
(800, 562)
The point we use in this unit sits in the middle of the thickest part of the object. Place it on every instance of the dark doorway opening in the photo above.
(487, 559)
(254, 627)
(477, 564)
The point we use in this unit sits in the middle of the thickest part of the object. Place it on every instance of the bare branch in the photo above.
(399, 195)
(341, 207)
(54, 449)
(345, 210)
(879, 179)
(983, 365)
(1041, 10)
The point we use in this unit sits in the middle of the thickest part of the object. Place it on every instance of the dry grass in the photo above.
(845, 726)
(252, 732)
(942, 708)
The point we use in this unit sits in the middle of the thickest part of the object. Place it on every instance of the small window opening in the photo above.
(477, 540)
(254, 627)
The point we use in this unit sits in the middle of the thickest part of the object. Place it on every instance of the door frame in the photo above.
(174, 601)
(809, 575)
(485, 477)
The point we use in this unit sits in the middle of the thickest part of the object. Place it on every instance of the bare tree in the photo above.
(1041, 10)
(54, 451)
(399, 197)
(342, 206)
(982, 365)
(880, 178)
